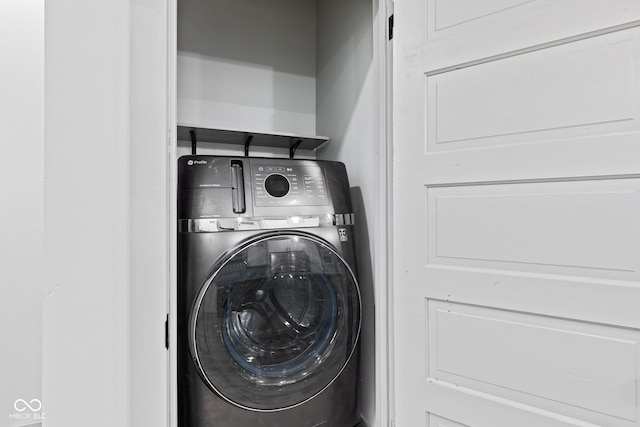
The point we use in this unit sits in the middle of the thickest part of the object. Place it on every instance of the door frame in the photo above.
(383, 220)
(382, 216)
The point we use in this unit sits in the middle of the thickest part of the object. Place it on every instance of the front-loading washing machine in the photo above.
(268, 302)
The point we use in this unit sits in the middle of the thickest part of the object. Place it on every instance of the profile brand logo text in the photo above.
(196, 162)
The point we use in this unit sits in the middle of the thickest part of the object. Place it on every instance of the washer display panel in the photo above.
(276, 322)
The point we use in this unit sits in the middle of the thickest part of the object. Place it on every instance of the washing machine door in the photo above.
(276, 322)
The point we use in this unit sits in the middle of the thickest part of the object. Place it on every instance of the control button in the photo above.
(276, 185)
(279, 169)
(271, 169)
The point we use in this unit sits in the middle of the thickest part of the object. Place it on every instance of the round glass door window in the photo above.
(276, 322)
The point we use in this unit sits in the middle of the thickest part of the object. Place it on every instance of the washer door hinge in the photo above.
(390, 26)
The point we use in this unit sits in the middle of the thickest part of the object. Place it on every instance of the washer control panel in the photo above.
(289, 184)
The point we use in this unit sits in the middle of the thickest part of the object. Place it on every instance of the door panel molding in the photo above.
(484, 409)
(460, 33)
(582, 226)
(577, 369)
(582, 90)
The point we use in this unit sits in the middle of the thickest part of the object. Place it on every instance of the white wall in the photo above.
(22, 205)
(86, 364)
(247, 65)
(148, 172)
(348, 112)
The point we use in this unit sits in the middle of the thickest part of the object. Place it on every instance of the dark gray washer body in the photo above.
(207, 191)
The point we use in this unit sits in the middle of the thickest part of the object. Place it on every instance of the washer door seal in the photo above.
(276, 323)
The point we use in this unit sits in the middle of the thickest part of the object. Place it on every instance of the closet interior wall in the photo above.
(303, 67)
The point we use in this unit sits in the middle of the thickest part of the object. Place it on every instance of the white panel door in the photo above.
(517, 213)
